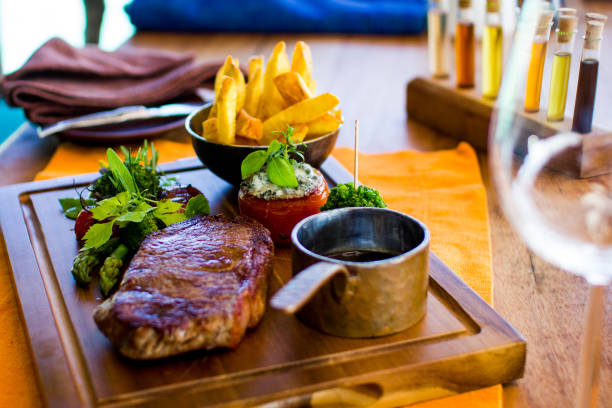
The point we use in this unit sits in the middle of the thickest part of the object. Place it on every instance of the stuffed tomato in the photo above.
(280, 208)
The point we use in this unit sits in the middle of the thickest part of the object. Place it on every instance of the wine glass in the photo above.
(565, 220)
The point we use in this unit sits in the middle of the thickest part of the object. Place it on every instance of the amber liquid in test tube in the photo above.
(562, 61)
(437, 39)
(464, 45)
(536, 62)
(587, 78)
(492, 51)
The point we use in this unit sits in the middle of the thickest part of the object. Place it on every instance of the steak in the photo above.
(197, 284)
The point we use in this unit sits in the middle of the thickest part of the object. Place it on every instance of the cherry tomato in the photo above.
(281, 215)
(83, 222)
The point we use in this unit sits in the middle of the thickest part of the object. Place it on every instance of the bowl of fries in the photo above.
(248, 115)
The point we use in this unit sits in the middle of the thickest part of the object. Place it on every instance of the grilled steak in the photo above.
(197, 284)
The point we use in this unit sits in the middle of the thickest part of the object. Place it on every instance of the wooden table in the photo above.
(369, 74)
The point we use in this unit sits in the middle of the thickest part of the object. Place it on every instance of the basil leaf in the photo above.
(253, 163)
(120, 172)
(72, 206)
(274, 146)
(280, 172)
(197, 205)
(98, 234)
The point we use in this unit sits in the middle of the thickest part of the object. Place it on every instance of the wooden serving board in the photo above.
(461, 344)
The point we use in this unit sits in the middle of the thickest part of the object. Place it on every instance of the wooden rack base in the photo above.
(464, 114)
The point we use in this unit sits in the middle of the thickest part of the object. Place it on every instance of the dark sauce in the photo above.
(585, 96)
(361, 255)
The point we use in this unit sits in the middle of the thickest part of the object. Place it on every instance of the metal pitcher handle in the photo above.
(299, 290)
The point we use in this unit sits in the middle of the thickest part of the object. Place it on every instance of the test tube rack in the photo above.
(464, 114)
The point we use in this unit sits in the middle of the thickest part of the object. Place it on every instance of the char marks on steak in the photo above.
(197, 284)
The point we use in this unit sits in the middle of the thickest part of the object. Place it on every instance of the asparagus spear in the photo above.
(111, 269)
(86, 260)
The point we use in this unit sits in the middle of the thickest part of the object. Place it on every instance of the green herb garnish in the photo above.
(345, 195)
(132, 206)
(143, 168)
(277, 159)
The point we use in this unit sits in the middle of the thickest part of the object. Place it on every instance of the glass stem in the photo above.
(590, 355)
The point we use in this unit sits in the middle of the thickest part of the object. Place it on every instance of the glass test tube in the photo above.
(587, 78)
(562, 61)
(464, 45)
(438, 39)
(536, 62)
(492, 50)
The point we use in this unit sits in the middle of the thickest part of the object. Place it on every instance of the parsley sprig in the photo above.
(278, 160)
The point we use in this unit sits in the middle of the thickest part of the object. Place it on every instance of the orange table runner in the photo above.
(443, 189)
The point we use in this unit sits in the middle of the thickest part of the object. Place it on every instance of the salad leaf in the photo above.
(98, 234)
(120, 172)
(111, 206)
(197, 205)
(73, 206)
(167, 212)
(134, 216)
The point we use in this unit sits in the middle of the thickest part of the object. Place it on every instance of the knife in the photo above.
(119, 115)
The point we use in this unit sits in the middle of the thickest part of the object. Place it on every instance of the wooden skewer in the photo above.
(356, 181)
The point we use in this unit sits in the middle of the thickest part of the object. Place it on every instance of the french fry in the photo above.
(219, 76)
(326, 123)
(254, 63)
(226, 111)
(248, 126)
(302, 112)
(209, 129)
(313, 86)
(299, 132)
(271, 100)
(301, 63)
(253, 92)
(231, 69)
(292, 87)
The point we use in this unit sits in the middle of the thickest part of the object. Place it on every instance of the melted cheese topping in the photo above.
(260, 186)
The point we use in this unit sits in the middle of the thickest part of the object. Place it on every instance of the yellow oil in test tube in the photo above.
(562, 61)
(492, 51)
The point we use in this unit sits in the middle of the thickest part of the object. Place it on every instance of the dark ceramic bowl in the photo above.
(224, 160)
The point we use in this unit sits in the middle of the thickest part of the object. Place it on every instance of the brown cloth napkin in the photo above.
(60, 81)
